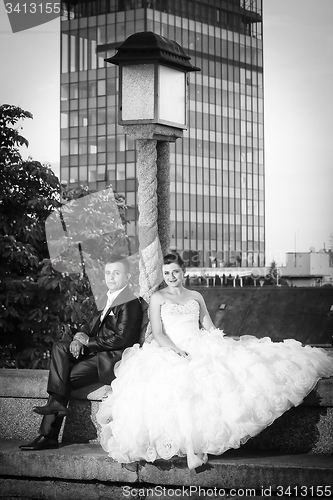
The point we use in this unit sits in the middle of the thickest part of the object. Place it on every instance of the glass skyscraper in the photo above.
(217, 169)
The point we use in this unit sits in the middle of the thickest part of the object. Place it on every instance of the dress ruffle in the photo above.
(227, 391)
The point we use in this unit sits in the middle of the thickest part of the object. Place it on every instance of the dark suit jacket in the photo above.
(117, 331)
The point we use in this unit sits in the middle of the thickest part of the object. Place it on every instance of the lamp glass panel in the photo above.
(172, 95)
(138, 92)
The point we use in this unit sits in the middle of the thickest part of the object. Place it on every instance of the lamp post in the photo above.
(152, 82)
(153, 110)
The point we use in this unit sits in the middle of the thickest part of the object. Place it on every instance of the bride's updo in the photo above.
(174, 258)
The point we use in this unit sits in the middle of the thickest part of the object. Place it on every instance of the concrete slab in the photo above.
(83, 462)
(63, 490)
(304, 429)
(322, 394)
(307, 428)
(300, 430)
(18, 421)
(12, 489)
(234, 469)
(33, 383)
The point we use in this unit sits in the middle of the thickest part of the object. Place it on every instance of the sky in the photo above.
(298, 83)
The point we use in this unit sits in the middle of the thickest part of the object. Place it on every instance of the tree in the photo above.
(40, 304)
(29, 192)
(10, 137)
(274, 276)
(273, 270)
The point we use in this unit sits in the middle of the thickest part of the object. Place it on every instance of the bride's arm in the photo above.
(156, 324)
(205, 318)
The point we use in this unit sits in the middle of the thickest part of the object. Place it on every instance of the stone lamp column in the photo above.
(153, 110)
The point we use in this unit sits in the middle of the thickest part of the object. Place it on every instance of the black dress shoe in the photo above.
(40, 443)
(53, 407)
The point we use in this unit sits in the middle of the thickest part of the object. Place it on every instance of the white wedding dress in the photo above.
(225, 392)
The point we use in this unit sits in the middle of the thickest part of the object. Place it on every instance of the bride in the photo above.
(192, 391)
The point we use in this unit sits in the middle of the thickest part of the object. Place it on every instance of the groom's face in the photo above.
(116, 276)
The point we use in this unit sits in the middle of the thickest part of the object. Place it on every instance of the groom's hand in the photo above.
(76, 348)
(82, 337)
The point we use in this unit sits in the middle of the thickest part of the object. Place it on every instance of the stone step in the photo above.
(85, 470)
(21, 390)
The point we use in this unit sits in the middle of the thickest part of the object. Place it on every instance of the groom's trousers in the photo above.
(66, 373)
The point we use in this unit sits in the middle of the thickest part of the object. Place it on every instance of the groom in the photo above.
(92, 354)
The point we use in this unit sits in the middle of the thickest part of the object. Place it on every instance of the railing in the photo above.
(234, 277)
(252, 5)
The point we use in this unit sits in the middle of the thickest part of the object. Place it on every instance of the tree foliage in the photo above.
(39, 303)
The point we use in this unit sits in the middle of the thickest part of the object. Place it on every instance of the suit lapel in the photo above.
(95, 325)
(125, 296)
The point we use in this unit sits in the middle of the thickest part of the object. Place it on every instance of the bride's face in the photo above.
(173, 275)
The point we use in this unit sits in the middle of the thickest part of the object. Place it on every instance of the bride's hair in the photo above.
(174, 258)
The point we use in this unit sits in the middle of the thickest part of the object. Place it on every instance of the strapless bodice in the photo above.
(181, 321)
(190, 307)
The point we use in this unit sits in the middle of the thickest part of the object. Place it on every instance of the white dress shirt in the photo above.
(111, 296)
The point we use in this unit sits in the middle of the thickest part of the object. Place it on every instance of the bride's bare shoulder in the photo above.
(197, 296)
(157, 297)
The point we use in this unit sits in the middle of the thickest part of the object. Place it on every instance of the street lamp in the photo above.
(153, 110)
(152, 80)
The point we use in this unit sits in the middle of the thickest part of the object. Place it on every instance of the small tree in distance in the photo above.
(273, 271)
(274, 276)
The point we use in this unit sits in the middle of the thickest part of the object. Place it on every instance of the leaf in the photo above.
(22, 141)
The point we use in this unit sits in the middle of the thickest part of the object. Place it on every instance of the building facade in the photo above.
(308, 268)
(217, 169)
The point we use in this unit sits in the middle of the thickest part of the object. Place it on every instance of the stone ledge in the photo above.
(302, 429)
(305, 429)
(322, 394)
(154, 131)
(32, 384)
(234, 469)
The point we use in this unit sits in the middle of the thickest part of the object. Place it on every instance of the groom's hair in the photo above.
(174, 258)
(118, 258)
